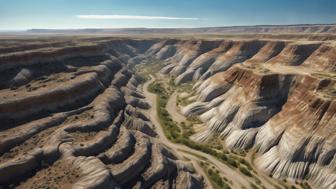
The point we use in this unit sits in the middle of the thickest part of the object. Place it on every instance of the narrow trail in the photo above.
(237, 179)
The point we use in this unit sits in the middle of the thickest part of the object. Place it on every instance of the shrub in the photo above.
(257, 181)
(254, 186)
(217, 180)
(223, 157)
(245, 171)
(232, 162)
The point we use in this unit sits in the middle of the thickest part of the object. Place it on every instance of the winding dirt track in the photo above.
(238, 179)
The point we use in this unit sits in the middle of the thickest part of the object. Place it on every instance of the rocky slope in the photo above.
(71, 117)
(275, 96)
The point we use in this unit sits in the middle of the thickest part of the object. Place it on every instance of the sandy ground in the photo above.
(173, 110)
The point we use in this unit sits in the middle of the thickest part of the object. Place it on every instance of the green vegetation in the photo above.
(253, 186)
(171, 129)
(185, 87)
(215, 142)
(232, 162)
(239, 152)
(245, 171)
(181, 135)
(142, 77)
(216, 180)
(305, 185)
(194, 120)
(150, 66)
(187, 130)
(175, 134)
(183, 101)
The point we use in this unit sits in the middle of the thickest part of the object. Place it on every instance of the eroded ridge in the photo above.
(277, 97)
(71, 117)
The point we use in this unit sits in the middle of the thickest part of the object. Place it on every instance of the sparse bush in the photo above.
(253, 186)
(305, 185)
(257, 181)
(245, 171)
(223, 157)
(232, 162)
(216, 179)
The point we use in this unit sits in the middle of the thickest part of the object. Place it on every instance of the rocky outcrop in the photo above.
(277, 97)
(71, 117)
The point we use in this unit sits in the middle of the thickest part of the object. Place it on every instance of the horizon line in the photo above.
(133, 17)
(222, 26)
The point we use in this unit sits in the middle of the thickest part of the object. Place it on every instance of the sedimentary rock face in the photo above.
(277, 97)
(72, 116)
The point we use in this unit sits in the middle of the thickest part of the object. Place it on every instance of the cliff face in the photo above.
(277, 97)
(72, 117)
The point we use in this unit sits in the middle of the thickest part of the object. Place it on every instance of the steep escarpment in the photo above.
(71, 117)
(277, 97)
(325, 55)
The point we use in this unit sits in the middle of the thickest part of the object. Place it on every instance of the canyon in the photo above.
(78, 112)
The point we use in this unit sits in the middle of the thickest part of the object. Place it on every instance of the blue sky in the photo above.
(66, 14)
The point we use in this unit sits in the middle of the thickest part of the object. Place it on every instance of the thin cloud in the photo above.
(133, 17)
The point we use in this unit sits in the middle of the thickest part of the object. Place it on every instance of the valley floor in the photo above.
(235, 179)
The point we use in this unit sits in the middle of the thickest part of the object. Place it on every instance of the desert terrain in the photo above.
(241, 107)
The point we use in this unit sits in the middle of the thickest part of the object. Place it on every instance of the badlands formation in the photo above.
(276, 97)
(73, 115)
